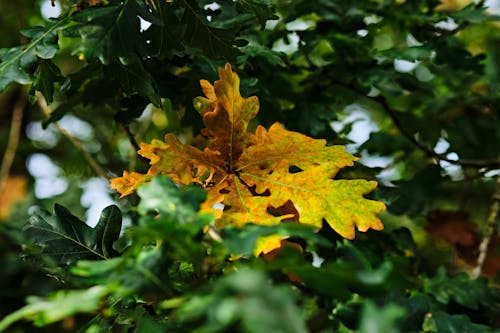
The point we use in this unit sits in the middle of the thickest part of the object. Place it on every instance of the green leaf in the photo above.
(112, 32)
(461, 289)
(442, 322)
(259, 51)
(58, 306)
(67, 239)
(134, 78)
(474, 15)
(262, 9)
(166, 38)
(18, 64)
(46, 75)
(244, 301)
(377, 319)
(163, 196)
(215, 43)
(131, 108)
(242, 241)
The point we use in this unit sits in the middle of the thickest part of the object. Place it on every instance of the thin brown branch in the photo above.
(476, 163)
(14, 135)
(490, 163)
(98, 170)
(131, 137)
(490, 230)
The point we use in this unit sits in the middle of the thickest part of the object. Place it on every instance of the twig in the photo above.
(490, 230)
(131, 138)
(98, 170)
(14, 135)
(491, 163)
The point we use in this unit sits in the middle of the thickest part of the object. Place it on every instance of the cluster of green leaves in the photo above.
(171, 274)
(171, 270)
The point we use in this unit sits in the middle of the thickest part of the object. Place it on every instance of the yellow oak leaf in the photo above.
(185, 164)
(129, 182)
(226, 115)
(317, 197)
(451, 5)
(265, 178)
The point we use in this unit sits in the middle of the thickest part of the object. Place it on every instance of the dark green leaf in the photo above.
(135, 79)
(67, 239)
(475, 15)
(112, 33)
(18, 64)
(47, 74)
(163, 196)
(461, 289)
(442, 322)
(244, 301)
(215, 43)
(262, 9)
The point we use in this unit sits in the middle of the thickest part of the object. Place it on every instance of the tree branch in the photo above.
(476, 163)
(490, 163)
(490, 230)
(131, 137)
(98, 170)
(14, 135)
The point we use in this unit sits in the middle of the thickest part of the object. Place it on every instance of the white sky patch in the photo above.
(362, 32)
(317, 260)
(449, 24)
(48, 11)
(281, 46)
(47, 138)
(95, 198)
(218, 206)
(405, 66)
(144, 24)
(212, 6)
(299, 25)
(441, 146)
(361, 128)
(453, 170)
(78, 128)
(492, 173)
(373, 161)
(48, 181)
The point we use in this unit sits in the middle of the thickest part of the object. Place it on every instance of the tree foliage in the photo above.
(243, 218)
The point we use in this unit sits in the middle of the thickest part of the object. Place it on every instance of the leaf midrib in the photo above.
(76, 241)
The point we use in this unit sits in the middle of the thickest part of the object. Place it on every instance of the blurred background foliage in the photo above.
(412, 87)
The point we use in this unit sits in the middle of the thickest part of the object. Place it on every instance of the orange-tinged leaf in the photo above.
(183, 163)
(226, 115)
(14, 191)
(278, 145)
(267, 244)
(129, 182)
(265, 178)
(316, 197)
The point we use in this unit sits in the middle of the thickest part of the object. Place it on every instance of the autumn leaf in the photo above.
(13, 191)
(266, 177)
(451, 5)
